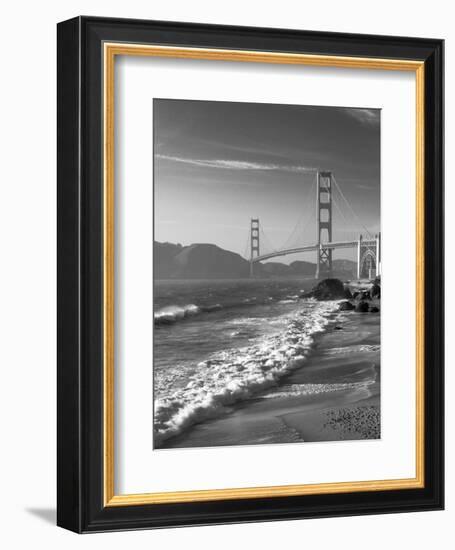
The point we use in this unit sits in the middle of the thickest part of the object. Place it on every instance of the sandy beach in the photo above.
(333, 395)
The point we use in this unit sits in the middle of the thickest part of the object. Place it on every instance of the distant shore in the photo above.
(269, 278)
(334, 395)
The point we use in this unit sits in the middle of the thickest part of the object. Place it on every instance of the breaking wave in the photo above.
(230, 376)
(171, 314)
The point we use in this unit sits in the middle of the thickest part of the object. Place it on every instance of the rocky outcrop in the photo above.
(346, 306)
(328, 289)
(347, 293)
(362, 307)
(375, 291)
(358, 301)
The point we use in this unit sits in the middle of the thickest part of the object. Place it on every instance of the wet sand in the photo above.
(334, 395)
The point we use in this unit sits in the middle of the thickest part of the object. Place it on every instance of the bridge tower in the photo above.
(254, 242)
(369, 257)
(324, 224)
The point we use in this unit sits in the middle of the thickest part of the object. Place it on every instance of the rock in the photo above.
(329, 289)
(338, 328)
(362, 307)
(374, 309)
(375, 291)
(346, 306)
(365, 295)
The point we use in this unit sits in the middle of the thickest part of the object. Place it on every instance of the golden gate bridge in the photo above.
(367, 246)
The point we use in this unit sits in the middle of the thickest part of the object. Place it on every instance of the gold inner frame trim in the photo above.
(110, 50)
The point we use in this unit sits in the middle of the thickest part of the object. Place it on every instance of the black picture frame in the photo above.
(80, 473)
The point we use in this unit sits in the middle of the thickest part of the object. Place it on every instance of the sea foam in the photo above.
(230, 376)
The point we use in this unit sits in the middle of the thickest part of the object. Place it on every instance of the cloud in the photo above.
(236, 164)
(367, 117)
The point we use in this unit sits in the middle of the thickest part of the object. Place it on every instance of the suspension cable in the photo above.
(268, 242)
(247, 245)
(335, 202)
(350, 207)
(303, 217)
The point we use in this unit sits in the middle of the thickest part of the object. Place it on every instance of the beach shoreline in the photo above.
(334, 395)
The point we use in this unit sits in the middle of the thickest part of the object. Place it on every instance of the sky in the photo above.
(219, 164)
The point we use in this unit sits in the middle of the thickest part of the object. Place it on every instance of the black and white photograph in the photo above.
(267, 256)
(203, 205)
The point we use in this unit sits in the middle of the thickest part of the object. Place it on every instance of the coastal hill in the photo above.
(208, 261)
(297, 268)
(198, 261)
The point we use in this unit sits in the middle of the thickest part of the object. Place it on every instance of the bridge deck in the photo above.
(313, 247)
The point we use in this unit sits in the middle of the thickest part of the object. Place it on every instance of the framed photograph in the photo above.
(250, 274)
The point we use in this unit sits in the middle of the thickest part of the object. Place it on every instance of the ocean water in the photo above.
(217, 343)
